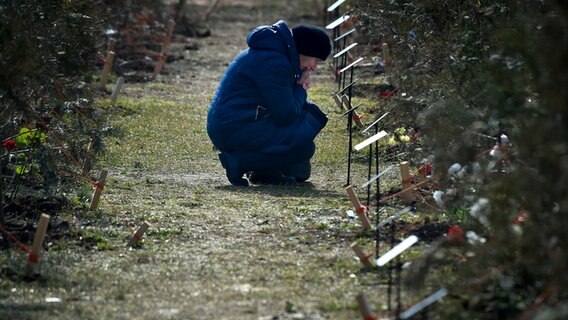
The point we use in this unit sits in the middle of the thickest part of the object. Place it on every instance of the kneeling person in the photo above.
(260, 119)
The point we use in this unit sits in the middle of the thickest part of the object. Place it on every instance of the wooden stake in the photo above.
(210, 10)
(364, 258)
(180, 10)
(87, 162)
(138, 235)
(360, 209)
(407, 196)
(365, 308)
(106, 70)
(338, 100)
(356, 117)
(420, 177)
(111, 43)
(165, 48)
(345, 105)
(423, 172)
(100, 185)
(1, 197)
(35, 252)
(116, 91)
(388, 63)
(386, 54)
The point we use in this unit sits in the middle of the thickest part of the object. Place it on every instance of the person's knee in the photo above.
(305, 151)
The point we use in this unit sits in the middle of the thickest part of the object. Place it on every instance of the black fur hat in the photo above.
(312, 41)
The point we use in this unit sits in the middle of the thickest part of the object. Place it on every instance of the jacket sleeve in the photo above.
(279, 92)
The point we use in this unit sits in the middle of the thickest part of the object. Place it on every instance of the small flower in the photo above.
(387, 93)
(480, 210)
(9, 145)
(504, 140)
(496, 153)
(521, 218)
(455, 234)
(412, 34)
(474, 239)
(387, 90)
(454, 169)
(476, 170)
(426, 169)
(438, 198)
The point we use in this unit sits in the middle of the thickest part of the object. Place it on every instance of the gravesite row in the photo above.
(363, 139)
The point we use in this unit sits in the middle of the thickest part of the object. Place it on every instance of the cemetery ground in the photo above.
(213, 251)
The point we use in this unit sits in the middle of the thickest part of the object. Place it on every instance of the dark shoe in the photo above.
(276, 178)
(300, 171)
(234, 173)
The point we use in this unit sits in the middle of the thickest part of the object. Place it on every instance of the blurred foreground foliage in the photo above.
(487, 81)
(47, 55)
(50, 57)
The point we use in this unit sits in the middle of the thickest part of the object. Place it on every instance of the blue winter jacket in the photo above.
(258, 105)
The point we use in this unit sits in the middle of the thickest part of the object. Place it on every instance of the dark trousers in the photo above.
(291, 159)
(294, 163)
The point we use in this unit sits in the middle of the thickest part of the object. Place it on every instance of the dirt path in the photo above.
(213, 251)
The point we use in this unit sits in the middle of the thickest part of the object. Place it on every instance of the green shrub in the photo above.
(47, 59)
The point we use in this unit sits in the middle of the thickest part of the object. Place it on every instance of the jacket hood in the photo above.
(277, 37)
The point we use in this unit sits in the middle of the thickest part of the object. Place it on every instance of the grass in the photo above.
(172, 140)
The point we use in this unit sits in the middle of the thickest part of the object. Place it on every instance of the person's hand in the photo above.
(306, 79)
